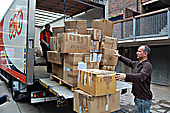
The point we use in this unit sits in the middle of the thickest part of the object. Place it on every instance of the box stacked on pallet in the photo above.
(97, 92)
(76, 26)
(73, 62)
(76, 58)
(72, 52)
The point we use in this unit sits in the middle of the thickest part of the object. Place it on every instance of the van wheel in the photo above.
(15, 93)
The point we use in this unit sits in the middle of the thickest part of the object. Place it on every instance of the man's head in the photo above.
(47, 27)
(143, 52)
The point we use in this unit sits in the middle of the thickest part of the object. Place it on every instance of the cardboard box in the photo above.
(107, 57)
(58, 30)
(54, 57)
(97, 82)
(94, 46)
(57, 70)
(79, 25)
(73, 43)
(95, 57)
(95, 33)
(73, 62)
(94, 65)
(85, 103)
(73, 31)
(104, 25)
(108, 42)
(108, 68)
(53, 43)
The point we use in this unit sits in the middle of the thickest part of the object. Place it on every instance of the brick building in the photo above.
(139, 22)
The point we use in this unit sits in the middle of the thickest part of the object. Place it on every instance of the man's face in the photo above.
(140, 53)
(47, 28)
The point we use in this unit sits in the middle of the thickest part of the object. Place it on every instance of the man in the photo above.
(140, 79)
(45, 44)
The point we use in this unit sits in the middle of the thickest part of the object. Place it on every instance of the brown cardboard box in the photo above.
(79, 25)
(95, 33)
(53, 43)
(107, 57)
(94, 46)
(72, 62)
(85, 103)
(57, 70)
(73, 31)
(108, 68)
(95, 57)
(104, 25)
(58, 30)
(94, 65)
(54, 57)
(73, 43)
(108, 42)
(97, 82)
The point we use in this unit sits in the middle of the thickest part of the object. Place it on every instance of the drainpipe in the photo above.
(168, 22)
(106, 9)
(137, 5)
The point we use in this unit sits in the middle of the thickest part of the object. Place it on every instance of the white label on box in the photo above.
(89, 80)
(85, 79)
(94, 57)
(65, 68)
(99, 57)
(82, 65)
(107, 104)
(80, 111)
(91, 58)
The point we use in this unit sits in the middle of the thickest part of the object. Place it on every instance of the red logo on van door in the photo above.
(15, 24)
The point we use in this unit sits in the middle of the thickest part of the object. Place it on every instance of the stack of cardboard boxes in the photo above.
(81, 57)
(97, 92)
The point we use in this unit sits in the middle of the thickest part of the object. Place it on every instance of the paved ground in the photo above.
(161, 101)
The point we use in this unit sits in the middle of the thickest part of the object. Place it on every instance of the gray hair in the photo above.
(147, 49)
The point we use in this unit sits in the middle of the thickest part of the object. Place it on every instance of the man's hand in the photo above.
(47, 44)
(116, 54)
(120, 76)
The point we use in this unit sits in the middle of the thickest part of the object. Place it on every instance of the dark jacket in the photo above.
(140, 79)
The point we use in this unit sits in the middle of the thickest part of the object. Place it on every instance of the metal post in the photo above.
(106, 9)
(168, 16)
(64, 14)
(30, 41)
(134, 28)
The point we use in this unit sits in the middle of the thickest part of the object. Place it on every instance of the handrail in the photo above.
(142, 15)
(151, 13)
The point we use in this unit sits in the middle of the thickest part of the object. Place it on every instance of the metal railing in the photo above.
(153, 24)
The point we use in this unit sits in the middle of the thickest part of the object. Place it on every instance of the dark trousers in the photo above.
(49, 64)
(3, 99)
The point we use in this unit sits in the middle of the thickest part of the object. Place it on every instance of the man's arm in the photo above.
(141, 76)
(125, 60)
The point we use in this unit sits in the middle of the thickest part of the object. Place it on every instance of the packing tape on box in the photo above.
(85, 78)
(90, 79)
(107, 103)
(68, 69)
(79, 76)
(80, 109)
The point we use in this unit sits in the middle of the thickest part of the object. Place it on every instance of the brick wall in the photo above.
(117, 6)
